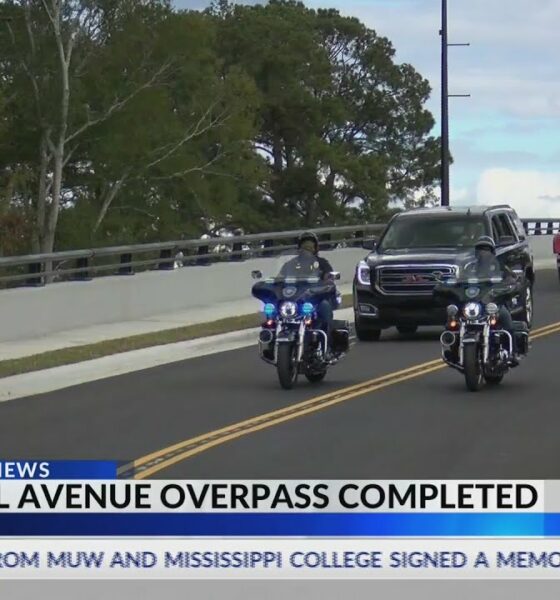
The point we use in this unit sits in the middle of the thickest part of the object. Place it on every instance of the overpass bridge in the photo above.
(389, 410)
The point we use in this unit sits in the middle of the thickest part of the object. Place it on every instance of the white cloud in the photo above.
(531, 193)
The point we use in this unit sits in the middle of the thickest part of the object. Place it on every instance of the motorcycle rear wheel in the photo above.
(286, 366)
(473, 370)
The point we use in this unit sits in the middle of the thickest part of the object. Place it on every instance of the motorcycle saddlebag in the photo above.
(340, 336)
(521, 332)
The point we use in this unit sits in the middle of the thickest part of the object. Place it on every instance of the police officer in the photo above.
(487, 265)
(309, 243)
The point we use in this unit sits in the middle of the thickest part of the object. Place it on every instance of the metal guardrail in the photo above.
(82, 265)
(541, 226)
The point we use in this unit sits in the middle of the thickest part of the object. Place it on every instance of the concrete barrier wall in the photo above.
(32, 312)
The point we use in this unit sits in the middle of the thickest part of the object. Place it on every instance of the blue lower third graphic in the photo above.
(281, 525)
(58, 469)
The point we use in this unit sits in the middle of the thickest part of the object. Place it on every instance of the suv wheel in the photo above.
(365, 332)
(527, 312)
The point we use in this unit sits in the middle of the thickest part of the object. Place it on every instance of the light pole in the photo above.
(445, 105)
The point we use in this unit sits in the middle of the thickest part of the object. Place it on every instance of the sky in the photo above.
(505, 138)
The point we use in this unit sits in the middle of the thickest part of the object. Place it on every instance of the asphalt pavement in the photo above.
(224, 416)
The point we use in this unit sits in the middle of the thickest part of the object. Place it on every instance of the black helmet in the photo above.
(485, 243)
(308, 235)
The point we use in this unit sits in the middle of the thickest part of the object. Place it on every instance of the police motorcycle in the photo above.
(473, 341)
(290, 337)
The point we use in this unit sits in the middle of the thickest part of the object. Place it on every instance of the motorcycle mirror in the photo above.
(256, 274)
(335, 275)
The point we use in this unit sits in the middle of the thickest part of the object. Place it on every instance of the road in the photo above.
(224, 416)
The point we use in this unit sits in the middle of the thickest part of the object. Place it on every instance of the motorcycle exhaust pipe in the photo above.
(265, 336)
(447, 339)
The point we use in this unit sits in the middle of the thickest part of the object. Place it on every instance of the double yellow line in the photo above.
(150, 464)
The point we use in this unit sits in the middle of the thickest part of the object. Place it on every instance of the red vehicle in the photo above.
(556, 250)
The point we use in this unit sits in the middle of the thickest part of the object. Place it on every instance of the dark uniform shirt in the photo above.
(306, 264)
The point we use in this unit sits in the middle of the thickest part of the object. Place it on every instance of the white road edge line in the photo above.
(57, 378)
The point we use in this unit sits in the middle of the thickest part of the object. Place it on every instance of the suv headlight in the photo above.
(472, 310)
(288, 310)
(363, 273)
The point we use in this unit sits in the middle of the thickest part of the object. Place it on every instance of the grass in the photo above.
(76, 354)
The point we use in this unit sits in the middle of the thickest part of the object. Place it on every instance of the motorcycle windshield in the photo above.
(476, 281)
(291, 276)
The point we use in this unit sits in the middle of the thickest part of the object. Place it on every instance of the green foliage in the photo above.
(262, 117)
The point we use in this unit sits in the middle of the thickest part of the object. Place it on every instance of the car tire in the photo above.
(528, 305)
(365, 332)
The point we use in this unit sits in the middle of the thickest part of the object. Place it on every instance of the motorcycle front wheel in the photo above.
(473, 370)
(286, 365)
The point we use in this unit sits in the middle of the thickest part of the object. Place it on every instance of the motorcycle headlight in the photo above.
(492, 309)
(452, 310)
(307, 309)
(363, 273)
(269, 310)
(288, 310)
(472, 310)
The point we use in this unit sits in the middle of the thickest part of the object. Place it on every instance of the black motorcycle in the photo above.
(473, 342)
(290, 337)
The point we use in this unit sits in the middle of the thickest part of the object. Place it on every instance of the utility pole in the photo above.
(445, 105)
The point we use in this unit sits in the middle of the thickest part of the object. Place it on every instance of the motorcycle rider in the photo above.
(308, 243)
(487, 265)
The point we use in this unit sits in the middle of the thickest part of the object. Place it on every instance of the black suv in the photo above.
(393, 285)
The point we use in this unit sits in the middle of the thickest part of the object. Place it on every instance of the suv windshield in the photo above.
(433, 231)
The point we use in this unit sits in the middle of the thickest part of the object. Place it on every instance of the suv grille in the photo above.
(412, 279)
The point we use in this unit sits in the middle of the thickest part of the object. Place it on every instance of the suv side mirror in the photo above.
(256, 274)
(506, 240)
(334, 275)
(369, 244)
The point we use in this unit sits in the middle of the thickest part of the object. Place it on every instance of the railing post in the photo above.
(168, 265)
(35, 281)
(201, 251)
(126, 269)
(82, 263)
(359, 235)
(326, 237)
(268, 244)
(237, 247)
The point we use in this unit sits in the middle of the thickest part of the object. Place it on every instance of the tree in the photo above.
(173, 139)
(51, 45)
(344, 127)
(120, 98)
(128, 121)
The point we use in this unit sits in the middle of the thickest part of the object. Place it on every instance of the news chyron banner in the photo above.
(61, 519)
